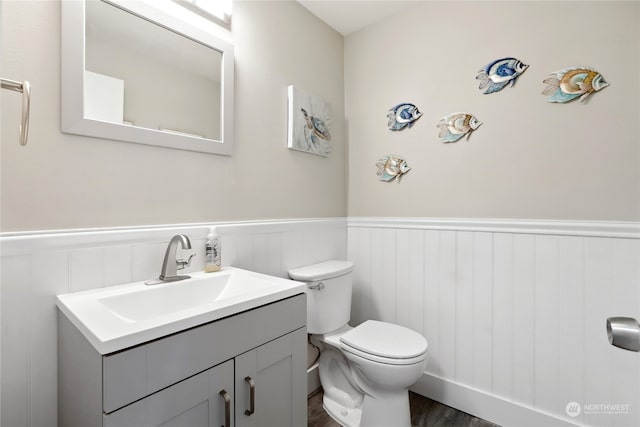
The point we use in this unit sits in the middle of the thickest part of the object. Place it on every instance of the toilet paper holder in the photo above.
(624, 332)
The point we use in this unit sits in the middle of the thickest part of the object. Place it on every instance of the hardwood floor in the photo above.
(424, 412)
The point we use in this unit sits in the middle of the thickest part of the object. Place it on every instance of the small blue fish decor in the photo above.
(456, 125)
(571, 83)
(496, 75)
(392, 167)
(403, 115)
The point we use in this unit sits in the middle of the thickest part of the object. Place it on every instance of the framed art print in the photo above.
(309, 123)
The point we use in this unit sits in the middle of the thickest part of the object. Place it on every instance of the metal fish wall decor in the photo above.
(499, 73)
(402, 116)
(456, 125)
(573, 82)
(392, 167)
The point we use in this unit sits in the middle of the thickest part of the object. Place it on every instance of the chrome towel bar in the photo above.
(25, 89)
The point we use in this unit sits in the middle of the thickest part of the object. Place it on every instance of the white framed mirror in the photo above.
(133, 72)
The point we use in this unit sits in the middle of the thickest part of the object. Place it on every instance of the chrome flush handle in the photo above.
(320, 286)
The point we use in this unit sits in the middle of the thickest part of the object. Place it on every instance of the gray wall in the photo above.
(530, 159)
(61, 181)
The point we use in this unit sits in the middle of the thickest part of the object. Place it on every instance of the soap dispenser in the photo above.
(212, 252)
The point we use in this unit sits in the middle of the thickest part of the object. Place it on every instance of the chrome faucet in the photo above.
(171, 264)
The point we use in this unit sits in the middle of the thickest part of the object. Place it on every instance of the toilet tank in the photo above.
(329, 287)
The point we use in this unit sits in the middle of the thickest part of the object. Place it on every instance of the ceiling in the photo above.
(348, 16)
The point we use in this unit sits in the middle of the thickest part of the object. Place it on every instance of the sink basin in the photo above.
(168, 298)
(122, 316)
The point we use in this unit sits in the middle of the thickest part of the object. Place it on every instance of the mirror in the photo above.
(132, 72)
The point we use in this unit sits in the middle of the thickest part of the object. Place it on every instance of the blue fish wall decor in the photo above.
(456, 125)
(402, 116)
(392, 167)
(571, 83)
(498, 74)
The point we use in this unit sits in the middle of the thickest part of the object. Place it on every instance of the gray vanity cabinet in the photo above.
(276, 372)
(186, 379)
(197, 401)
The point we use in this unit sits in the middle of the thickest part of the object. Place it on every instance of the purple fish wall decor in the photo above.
(499, 73)
(573, 82)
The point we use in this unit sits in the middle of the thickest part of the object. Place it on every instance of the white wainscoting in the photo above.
(36, 266)
(514, 312)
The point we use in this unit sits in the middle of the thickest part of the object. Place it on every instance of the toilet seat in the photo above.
(383, 360)
(385, 343)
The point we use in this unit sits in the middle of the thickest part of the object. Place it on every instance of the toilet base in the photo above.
(382, 411)
(347, 417)
(386, 409)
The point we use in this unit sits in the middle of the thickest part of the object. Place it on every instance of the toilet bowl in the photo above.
(365, 371)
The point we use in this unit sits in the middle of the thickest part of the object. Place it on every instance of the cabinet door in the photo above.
(198, 401)
(276, 371)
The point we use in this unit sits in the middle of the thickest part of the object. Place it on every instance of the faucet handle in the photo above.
(181, 263)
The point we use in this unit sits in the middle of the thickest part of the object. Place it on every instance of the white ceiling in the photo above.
(347, 16)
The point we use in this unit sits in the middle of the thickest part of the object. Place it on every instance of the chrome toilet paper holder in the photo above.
(624, 332)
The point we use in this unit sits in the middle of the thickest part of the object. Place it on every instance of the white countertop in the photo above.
(118, 317)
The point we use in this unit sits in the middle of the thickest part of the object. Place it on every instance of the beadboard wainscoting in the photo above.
(37, 266)
(514, 312)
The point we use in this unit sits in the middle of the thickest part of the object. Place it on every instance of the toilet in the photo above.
(366, 371)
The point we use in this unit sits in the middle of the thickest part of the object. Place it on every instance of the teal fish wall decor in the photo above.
(498, 74)
(392, 167)
(456, 125)
(571, 83)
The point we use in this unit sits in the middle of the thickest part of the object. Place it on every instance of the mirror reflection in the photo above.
(140, 74)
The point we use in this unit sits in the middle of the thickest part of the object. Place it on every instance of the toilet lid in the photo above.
(385, 340)
(322, 271)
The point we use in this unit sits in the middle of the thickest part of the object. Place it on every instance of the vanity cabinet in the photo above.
(272, 373)
(202, 400)
(248, 369)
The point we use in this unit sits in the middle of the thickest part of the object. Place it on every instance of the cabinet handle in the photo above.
(227, 408)
(252, 396)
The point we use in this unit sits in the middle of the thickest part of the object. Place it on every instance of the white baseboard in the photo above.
(482, 405)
